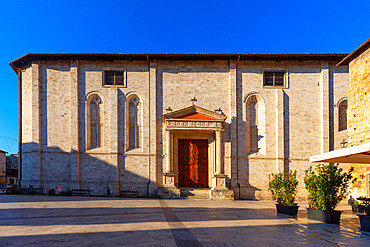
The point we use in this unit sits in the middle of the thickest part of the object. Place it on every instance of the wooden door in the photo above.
(193, 163)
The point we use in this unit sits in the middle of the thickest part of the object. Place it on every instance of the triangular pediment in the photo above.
(195, 112)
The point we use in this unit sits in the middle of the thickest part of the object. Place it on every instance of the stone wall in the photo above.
(358, 117)
(299, 120)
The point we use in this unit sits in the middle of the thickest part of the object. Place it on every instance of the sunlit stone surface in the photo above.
(94, 221)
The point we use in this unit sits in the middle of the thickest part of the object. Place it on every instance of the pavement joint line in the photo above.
(182, 235)
(76, 216)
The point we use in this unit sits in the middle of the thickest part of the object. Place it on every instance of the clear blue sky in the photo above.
(170, 27)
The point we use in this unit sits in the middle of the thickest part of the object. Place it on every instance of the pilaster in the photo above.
(279, 138)
(152, 121)
(74, 135)
(218, 152)
(324, 106)
(114, 137)
(169, 190)
(168, 164)
(233, 111)
(36, 124)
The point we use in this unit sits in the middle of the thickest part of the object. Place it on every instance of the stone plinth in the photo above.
(220, 191)
(169, 190)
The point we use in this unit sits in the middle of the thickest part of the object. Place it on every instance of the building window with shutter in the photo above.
(274, 79)
(114, 78)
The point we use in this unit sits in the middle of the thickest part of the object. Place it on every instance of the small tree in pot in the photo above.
(283, 188)
(325, 190)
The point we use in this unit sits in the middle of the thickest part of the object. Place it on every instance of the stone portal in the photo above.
(194, 153)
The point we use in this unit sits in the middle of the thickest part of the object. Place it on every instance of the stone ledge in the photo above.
(222, 194)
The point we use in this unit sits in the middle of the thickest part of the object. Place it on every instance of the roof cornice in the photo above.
(18, 63)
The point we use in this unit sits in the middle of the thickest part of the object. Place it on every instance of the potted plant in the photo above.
(358, 207)
(325, 190)
(283, 188)
(365, 218)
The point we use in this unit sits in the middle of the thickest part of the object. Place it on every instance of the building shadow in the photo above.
(58, 168)
(115, 215)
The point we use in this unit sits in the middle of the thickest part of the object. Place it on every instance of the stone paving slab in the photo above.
(99, 221)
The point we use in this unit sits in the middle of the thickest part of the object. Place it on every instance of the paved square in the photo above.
(94, 221)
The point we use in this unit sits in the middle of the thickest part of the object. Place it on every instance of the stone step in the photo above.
(193, 193)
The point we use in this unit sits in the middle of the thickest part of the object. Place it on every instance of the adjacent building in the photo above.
(12, 168)
(3, 166)
(358, 151)
(158, 124)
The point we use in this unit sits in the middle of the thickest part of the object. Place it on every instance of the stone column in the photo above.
(218, 152)
(169, 189)
(219, 190)
(168, 167)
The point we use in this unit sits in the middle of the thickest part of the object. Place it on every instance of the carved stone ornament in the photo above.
(194, 117)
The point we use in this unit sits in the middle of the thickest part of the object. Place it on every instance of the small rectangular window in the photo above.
(274, 78)
(115, 78)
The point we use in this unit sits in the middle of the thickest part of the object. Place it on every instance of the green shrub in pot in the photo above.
(283, 187)
(326, 186)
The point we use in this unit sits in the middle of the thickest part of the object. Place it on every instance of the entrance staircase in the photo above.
(195, 193)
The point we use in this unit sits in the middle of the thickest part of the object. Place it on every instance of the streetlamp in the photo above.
(343, 144)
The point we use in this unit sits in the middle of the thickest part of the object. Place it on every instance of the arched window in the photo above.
(253, 124)
(255, 120)
(342, 115)
(95, 122)
(134, 123)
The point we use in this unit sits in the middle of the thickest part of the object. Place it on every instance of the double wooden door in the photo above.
(193, 163)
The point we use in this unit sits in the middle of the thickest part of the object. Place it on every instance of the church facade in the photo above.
(156, 124)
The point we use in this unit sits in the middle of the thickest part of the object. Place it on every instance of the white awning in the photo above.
(357, 154)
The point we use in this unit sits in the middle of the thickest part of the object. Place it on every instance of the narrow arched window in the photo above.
(342, 115)
(95, 122)
(255, 124)
(134, 123)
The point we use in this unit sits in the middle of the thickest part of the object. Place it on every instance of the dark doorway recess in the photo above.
(193, 163)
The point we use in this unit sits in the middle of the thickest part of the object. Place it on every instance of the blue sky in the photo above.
(170, 27)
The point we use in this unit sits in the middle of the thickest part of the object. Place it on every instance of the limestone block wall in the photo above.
(113, 165)
(359, 100)
(358, 117)
(298, 120)
(340, 79)
(54, 128)
(30, 125)
(178, 82)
